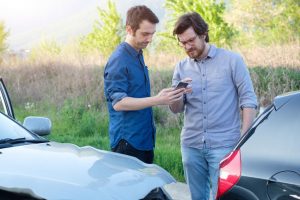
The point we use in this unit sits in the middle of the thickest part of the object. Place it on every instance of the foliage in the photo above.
(3, 37)
(46, 49)
(107, 31)
(266, 22)
(220, 32)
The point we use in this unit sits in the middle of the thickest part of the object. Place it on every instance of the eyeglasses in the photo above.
(189, 41)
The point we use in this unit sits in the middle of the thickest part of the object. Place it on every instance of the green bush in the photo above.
(107, 32)
(265, 22)
(220, 32)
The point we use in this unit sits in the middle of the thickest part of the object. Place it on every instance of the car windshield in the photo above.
(9, 129)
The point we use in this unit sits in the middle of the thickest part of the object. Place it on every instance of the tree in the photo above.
(3, 37)
(220, 32)
(107, 31)
(267, 21)
(45, 49)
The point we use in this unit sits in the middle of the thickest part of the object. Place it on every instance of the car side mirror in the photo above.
(39, 125)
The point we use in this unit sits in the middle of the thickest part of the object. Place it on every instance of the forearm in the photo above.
(177, 106)
(130, 103)
(248, 117)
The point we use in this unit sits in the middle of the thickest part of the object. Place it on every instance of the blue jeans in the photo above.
(201, 170)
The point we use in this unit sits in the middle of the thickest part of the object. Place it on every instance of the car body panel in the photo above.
(65, 171)
(281, 100)
(270, 158)
(284, 185)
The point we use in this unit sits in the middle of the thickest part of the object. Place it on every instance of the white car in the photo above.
(32, 167)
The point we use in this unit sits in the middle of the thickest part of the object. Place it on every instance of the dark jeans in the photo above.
(125, 148)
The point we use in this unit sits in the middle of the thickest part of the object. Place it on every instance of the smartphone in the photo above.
(181, 85)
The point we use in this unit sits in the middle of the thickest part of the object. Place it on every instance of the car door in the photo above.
(284, 186)
(5, 103)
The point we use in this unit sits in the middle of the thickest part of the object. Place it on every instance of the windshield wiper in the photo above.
(21, 140)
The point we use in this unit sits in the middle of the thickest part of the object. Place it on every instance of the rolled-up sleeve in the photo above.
(115, 81)
(242, 79)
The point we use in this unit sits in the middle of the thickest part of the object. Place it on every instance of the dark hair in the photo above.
(194, 20)
(137, 14)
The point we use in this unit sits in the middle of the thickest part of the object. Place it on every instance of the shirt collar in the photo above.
(211, 53)
(132, 50)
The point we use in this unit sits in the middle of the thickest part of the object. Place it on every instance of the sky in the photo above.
(32, 21)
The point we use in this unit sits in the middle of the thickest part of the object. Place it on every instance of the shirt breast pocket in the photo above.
(196, 95)
(218, 81)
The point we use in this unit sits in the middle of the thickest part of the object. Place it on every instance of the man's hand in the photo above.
(178, 106)
(188, 89)
(168, 96)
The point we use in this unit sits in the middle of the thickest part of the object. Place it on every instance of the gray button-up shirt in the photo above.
(221, 86)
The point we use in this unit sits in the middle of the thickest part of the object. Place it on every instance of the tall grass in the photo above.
(269, 82)
(287, 55)
(69, 90)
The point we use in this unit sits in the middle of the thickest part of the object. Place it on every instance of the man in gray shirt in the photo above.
(220, 87)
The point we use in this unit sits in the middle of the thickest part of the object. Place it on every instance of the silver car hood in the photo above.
(65, 171)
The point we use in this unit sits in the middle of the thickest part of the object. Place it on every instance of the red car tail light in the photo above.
(230, 172)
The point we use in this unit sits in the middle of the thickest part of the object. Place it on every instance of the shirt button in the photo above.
(204, 102)
(204, 117)
(203, 74)
(203, 88)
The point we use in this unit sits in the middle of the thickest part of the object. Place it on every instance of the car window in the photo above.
(277, 136)
(2, 106)
(11, 129)
(5, 102)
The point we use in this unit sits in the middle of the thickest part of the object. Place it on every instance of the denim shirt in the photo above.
(221, 86)
(126, 75)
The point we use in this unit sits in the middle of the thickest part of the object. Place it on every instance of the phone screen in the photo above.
(181, 85)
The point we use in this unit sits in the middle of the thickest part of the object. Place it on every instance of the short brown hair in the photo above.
(137, 14)
(194, 20)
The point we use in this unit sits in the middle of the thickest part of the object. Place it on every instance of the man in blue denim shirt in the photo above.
(127, 89)
(221, 88)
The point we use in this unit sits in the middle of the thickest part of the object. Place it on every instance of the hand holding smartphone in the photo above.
(181, 85)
